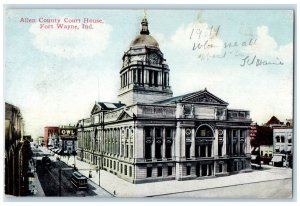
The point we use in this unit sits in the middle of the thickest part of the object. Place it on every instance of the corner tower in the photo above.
(144, 74)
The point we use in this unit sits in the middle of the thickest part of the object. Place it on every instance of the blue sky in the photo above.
(53, 75)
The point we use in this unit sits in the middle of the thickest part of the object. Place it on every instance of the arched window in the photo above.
(282, 139)
(277, 139)
(204, 131)
(203, 149)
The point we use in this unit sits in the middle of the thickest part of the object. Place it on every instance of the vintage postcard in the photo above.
(153, 103)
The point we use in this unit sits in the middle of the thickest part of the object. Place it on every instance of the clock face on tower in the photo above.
(153, 58)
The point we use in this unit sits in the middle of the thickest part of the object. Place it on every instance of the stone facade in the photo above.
(152, 136)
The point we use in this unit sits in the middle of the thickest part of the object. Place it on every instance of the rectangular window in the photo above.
(220, 145)
(127, 148)
(150, 78)
(158, 151)
(197, 147)
(131, 151)
(155, 78)
(110, 164)
(169, 150)
(220, 168)
(202, 150)
(148, 152)
(188, 170)
(130, 171)
(149, 171)
(168, 132)
(159, 171)
(187, 150)
(121, 168)
(114, 165)
(209, 150)
(125, 169)
(234, 148)
(139, 76)
(234, 133)
(170, 170)
(242, 151)
(147, 132)
(158, 132)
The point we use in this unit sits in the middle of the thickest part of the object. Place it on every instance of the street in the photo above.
(49, 179)
(267, 182)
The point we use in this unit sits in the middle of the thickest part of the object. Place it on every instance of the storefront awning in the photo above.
(277, 159)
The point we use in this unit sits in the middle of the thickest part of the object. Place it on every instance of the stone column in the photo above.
(224, 142)
(238, 142)
(215, 144)
(247, 142)
(164, 143)
(153, 143)
(193, 144)
(182, 156)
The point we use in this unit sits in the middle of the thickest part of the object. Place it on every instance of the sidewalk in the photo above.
(38, 186)
(123, 188)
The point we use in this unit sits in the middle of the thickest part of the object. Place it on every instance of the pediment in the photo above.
(124, 116)
(204, 97)
(96, 109)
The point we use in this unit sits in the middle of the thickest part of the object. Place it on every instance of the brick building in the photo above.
(49, 131)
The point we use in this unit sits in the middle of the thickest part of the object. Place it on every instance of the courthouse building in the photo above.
(149, 135)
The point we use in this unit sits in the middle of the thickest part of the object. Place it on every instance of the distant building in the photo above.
(65, 141)
(261, 144)
(282, 146)
(153, 136)
(17, 153)
(274, 121)
(49, 131)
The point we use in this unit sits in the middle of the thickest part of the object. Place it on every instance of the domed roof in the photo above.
(144, 40)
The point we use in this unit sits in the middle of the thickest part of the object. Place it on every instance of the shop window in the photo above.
(159, 171)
